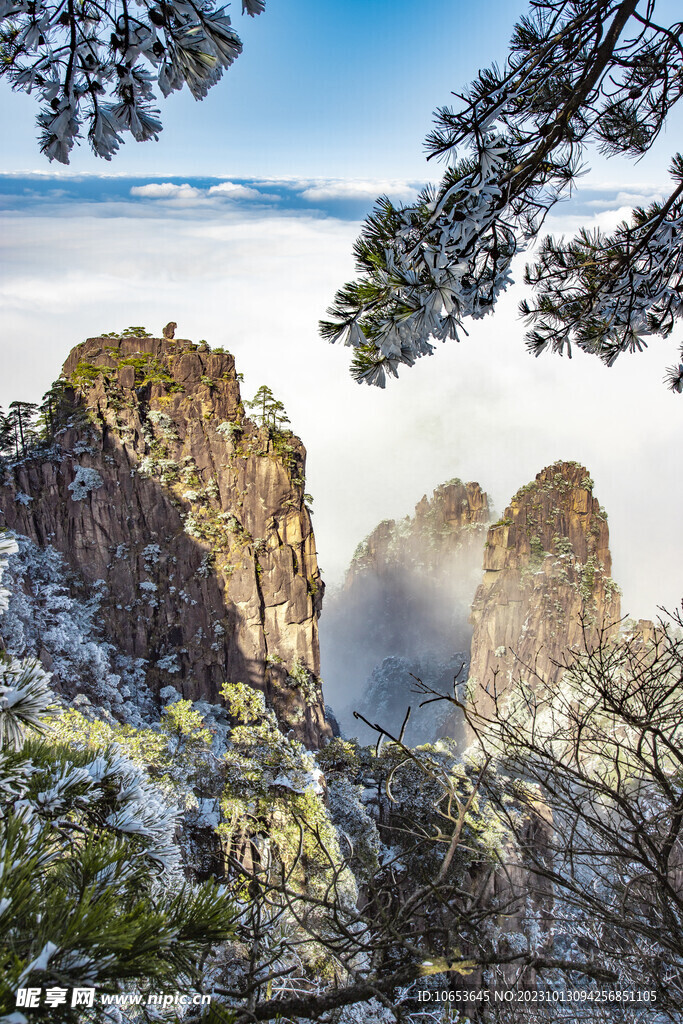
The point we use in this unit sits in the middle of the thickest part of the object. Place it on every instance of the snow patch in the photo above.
(86, 480)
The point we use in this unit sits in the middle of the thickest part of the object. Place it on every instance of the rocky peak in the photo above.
(407, 593)
(189, 517)
(547, 578)
(450, 522)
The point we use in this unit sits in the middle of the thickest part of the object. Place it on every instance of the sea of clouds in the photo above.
(252, 264)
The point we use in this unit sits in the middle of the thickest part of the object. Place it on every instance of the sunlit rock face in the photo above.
(407, 595)
(188, 517)
(546, 586)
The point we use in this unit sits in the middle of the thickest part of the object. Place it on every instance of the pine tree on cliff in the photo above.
(269, 411)
(56, 408)
(6, 435)
(21, 420)
(592, 73)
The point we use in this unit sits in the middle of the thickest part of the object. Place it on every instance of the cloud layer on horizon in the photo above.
(349, 199)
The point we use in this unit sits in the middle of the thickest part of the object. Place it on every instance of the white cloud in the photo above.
(356, 188)
(231, 190)
(631, 199)
(69, 173)
(561, 222)
(189, 195)
(316, 190)
(165, 190)
(289, 181)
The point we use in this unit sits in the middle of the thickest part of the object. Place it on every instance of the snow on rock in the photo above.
(85, 481)
(50, 618)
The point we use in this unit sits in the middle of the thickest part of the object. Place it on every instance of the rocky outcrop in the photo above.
(447, 524)
(392, 688)
(407, 593)
(547, 585)
(188, 519)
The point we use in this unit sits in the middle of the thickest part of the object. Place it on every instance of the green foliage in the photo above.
(182, 722)
(245, 704)
(57, 409)
(526, 489)
(270, 413)
(339, 756)
(85, 374)
(149, 370)
(312, 585)
(305, 682)
(538, 552)
(286, 451)
(135, 332)
(147, 748)
(128, 332)
(562, 545)
(271, 788)
(588, 574)
(29, 430)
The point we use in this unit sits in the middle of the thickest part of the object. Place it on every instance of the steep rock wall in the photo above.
(189, 520)
(547, 579)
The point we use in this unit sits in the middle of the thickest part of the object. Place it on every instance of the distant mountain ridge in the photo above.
(546, 587)
(414, 597)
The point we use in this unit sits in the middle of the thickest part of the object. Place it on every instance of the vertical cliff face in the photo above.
(547, 578)
(188, 518)
(407, 592)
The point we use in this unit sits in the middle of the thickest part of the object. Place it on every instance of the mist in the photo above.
(403, 613)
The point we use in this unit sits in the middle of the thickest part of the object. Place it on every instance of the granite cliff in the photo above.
(546, 580)
(188, 518)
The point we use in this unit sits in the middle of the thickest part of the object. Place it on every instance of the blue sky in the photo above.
(322, 88)
(239, 224)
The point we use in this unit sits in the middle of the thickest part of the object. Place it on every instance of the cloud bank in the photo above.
(402, 191)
